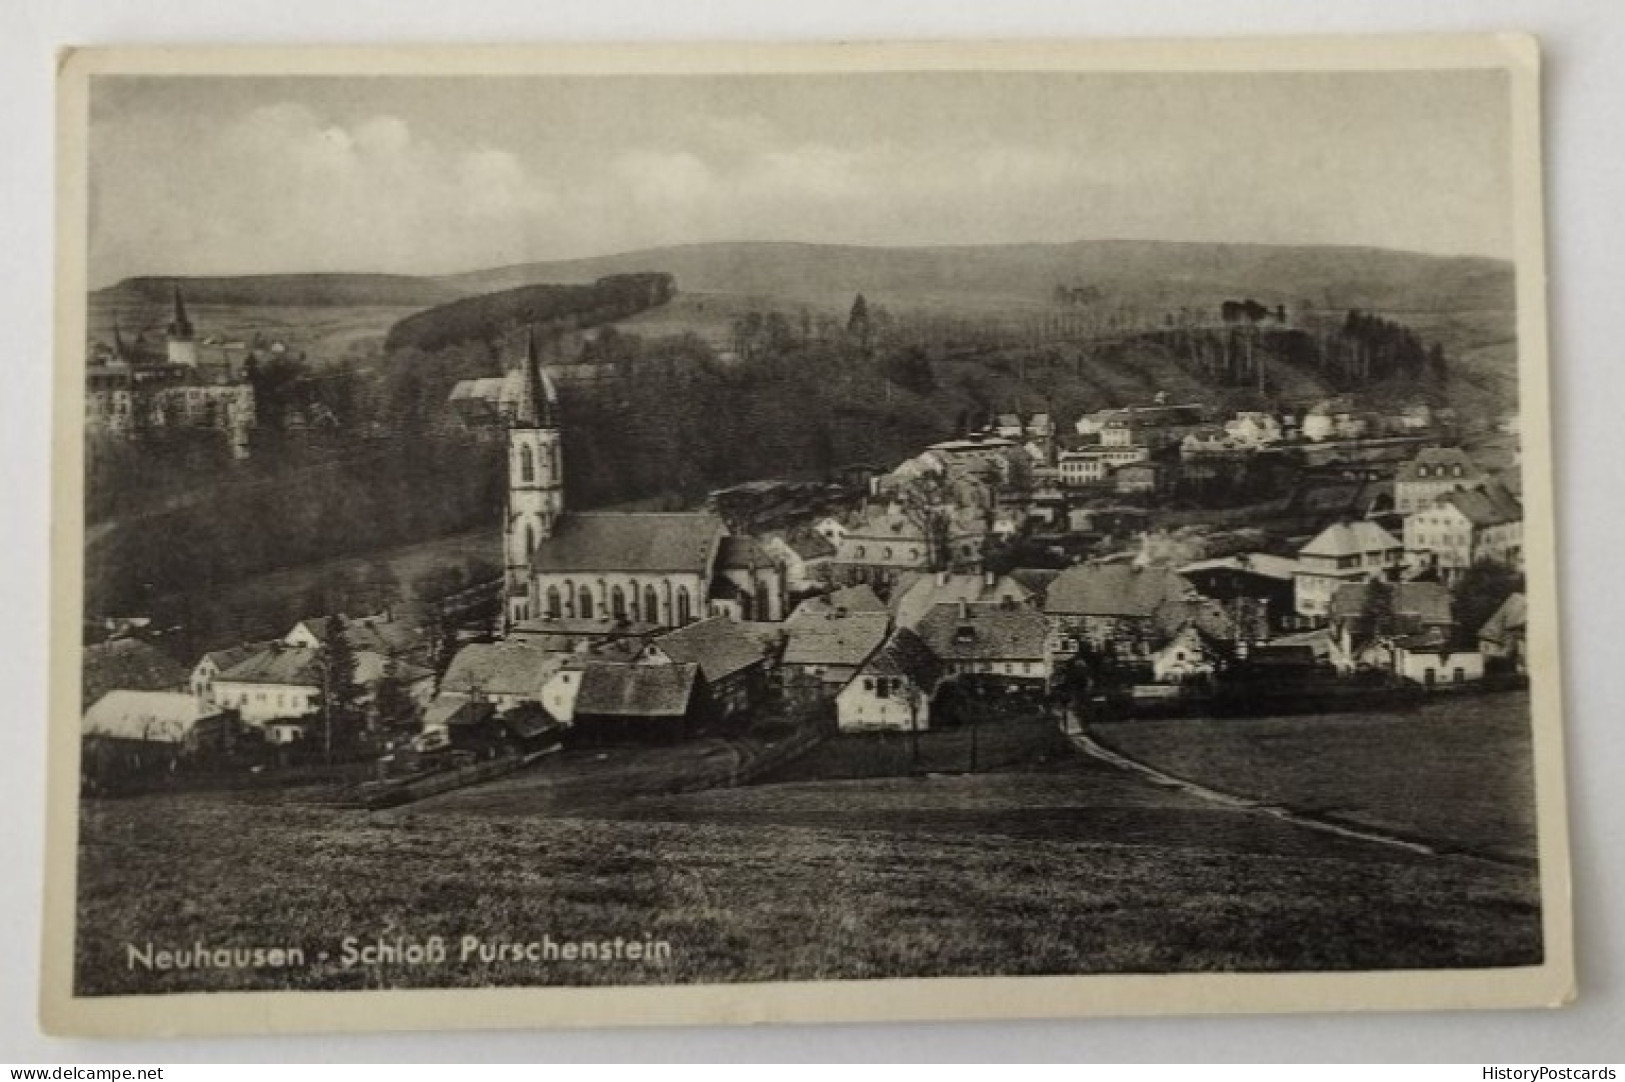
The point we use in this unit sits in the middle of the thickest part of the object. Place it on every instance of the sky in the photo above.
(242, 175)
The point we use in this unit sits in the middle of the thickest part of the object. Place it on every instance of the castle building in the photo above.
(131, 394)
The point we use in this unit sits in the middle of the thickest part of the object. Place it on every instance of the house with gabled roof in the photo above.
(1434, 472)
(638, 702)
(1137, 608)
(824, 650)
(893, 689)
(733, 662)
(1003, 643)
(1504, 638)
(915, 595)
(1465, 527)
(1353, 550)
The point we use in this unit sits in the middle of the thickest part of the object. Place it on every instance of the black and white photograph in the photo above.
(802, 533)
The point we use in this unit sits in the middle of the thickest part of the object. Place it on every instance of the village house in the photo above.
(1465, 527)
(661, 703)
(889, 542)
(893, 689)
(125, 734)
(1093, 465)
(1358, 550)
(1434, 472)
(1254, 429)
(1141, 478)
(1189, 657)
(1406, 608)
(733, 663)
(1332, 419)
(1260, 578)
(512, 674)
(1211, 442)
(215, 662)
(916, 595)
(1504, 638)
(385, 633)
(283, 682)
(1004, 644)
(1432, 664)
(1131, 608)
(825, 650)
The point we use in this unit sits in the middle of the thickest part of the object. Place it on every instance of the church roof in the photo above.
(640, 541)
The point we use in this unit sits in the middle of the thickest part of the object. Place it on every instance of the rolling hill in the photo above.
(1128, 272)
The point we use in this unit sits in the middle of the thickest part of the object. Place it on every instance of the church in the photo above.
(653, 569)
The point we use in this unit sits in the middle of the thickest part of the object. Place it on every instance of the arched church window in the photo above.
(684, 612)
(527, 464)
(555, 608)
(569, 598)
(585, 607)
(651, 605)
(617, 603)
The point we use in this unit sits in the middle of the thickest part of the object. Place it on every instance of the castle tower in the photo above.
(181, 339)
(535, 479)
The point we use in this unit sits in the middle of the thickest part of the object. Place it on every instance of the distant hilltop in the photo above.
(1156, 273)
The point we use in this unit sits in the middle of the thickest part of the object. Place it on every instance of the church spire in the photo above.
(181, 327)
(535, 406)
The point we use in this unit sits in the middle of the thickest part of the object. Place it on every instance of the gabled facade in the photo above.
(1434, 472)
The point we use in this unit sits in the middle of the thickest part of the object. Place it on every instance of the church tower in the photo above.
(535, 480)
(181, 339)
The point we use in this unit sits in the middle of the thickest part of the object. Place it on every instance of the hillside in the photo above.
(288, 290)
(1150, 273)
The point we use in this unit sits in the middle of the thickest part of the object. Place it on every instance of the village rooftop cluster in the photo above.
(1024, 566)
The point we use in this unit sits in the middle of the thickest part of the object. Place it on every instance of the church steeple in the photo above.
(535, 480)
(535, 408)
(180, 327)
(181, 341)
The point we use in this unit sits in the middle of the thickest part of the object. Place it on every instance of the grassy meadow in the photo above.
(1456, 773)
(1067, 865)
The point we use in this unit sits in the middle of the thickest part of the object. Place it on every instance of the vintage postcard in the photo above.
(697, 534)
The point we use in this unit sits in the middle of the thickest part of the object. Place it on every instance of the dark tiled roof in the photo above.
(631, 541)
(827, 638)
(718, 646)
(1426, 603)
(1510, 620)
(1435, 459)
(610, 690)
(906, 654)
(1490, 506)
(231, 655)
(859, 598)
(502, 668)
(276, 664)
(1115, 590)
(985, 633)
(129, 665)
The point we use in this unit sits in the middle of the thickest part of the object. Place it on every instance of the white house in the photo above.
(892, 691)
(1464, 527)
(1186, 657)
(1434, 472)
(1432, 665)
(1254, 428)
(1354, 551)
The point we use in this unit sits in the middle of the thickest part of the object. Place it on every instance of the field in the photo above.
(1066, 866)
(1456, 773)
